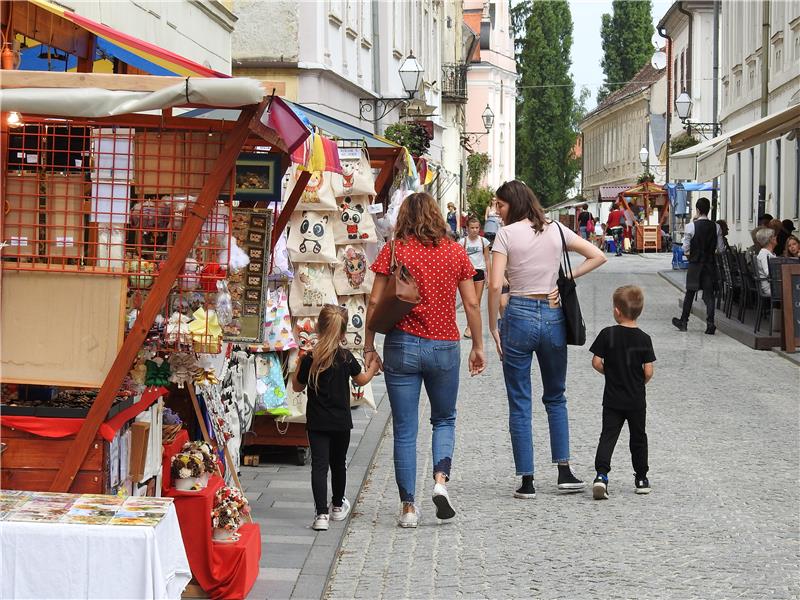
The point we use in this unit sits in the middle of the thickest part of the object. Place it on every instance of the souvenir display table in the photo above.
(54, 559)
(223, 570)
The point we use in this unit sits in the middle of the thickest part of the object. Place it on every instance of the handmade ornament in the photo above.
(226, 515)
(354, 223)
(206, 331)
(182, 366)
(209, 275)
(157, 373)
(224, 307)
(186, 469)
(177, 331)
(352, 274)
(149, 214)
(311, 237)
(205, 377)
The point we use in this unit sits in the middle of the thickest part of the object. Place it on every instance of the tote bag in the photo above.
(354, 224)
(356, 177)
(312, 288)
(361, 395)
(398, 298)
(270, 388)
(576, 328)
(311, 237)
(352, 275)
(356, 316)
(278, 322)
(318, 193)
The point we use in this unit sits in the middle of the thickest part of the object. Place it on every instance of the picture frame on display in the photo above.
(258, 178)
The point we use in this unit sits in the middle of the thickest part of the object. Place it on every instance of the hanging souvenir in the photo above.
(270, 387)
(356, 318)
(318, 193)
(352, 274)
(278, 322)
(356, 177)
(305, 332)
(311, 237)
(354, 224)
(311, 289)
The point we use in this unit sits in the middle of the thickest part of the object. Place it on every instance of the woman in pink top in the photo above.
(528, 250)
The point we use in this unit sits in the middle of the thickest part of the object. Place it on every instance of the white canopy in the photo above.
(706, 160)
(94, 102)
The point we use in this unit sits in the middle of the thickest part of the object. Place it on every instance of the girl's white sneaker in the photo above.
(320, 523)
(339, 513)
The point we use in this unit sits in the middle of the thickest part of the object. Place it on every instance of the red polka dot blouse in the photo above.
(437, 270)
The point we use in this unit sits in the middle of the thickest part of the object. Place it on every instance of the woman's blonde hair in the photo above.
(419, 217)
(331, 329)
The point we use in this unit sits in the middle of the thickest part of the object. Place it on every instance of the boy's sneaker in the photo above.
(339, 513)
(600, 487)
(444, 510)
(526, 490)
(642, 485)
(567, 482)
(410, 519)
(320, 523)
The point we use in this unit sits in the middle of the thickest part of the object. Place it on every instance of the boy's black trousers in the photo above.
(613, 419)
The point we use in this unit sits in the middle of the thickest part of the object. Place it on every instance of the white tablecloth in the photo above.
(63, 560)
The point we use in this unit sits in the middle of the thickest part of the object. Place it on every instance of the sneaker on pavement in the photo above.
(680, 325)
(600, 487)
(320, 523)
(444, 510)
(711, 329)
(526, 490)
(408, 519)
(339, 513)
(567, 482)
(642, 485)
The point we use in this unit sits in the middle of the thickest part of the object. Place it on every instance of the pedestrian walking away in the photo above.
(624, 355)
(585, 222)
(477, 248)
(615, 227)
(327, 371)
(423, 347)
(492, 222)
(528, 250)
(701, 239)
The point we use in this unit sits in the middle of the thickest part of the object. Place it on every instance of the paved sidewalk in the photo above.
(296, 560)
(723, 520)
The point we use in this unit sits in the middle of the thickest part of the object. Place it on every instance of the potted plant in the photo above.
(226, 516)
(187, 470)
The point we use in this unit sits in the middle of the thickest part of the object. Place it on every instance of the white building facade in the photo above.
(744, 54)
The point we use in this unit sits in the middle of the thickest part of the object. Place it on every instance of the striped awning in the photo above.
(143, 55)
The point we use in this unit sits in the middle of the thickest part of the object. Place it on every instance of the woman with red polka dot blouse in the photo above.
(423, 348)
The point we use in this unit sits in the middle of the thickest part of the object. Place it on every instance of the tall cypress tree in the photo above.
(545, 123)
(626, 35)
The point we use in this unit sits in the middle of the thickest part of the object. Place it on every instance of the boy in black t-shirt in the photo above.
(624, 354)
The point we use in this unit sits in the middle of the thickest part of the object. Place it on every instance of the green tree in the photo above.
(626, 35)
(546, 131)
(478, 198)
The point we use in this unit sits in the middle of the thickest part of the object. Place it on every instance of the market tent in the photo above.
(706, 160)
(90, 41)
(610, 193)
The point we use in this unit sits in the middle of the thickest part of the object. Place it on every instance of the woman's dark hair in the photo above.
(522, 204)
(420, 217)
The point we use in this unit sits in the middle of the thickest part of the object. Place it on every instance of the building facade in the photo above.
(759, 75)
(340, 57)
(614, 133)
(491, 81)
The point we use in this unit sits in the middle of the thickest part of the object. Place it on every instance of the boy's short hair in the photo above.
(473, 219)
(629, 301)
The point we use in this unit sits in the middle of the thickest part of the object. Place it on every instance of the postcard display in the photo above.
(326, 241)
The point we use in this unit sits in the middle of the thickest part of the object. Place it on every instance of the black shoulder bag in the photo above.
(576, 328)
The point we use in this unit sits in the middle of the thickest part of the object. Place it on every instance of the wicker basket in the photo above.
(170, 432)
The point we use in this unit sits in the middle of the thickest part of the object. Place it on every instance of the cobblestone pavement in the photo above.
(723, 520)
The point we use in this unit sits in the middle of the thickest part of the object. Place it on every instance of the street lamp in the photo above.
(683, 106)
(410, 72)
(471, 137)
(644, 156)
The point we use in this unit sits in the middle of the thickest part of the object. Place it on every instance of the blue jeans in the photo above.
(409, 361)
(530, 326)
(583, 232)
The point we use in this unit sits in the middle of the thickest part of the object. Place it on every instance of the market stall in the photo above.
(651, 200)
(150, 233)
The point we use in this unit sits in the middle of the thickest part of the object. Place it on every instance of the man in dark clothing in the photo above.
(702, 238)
(583, 218)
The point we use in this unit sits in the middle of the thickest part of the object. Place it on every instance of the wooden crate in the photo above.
(30, 462)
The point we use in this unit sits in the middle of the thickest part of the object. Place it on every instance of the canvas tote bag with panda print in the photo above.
(311, 237)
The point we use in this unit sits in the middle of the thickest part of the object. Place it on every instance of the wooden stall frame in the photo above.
(789, 334)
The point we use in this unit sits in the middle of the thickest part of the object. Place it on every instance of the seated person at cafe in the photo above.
(792, 247)
(766, 238)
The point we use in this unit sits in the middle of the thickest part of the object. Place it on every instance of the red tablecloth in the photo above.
(223, 570)
(55, 427)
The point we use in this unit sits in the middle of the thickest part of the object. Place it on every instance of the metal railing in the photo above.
(454, 83)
